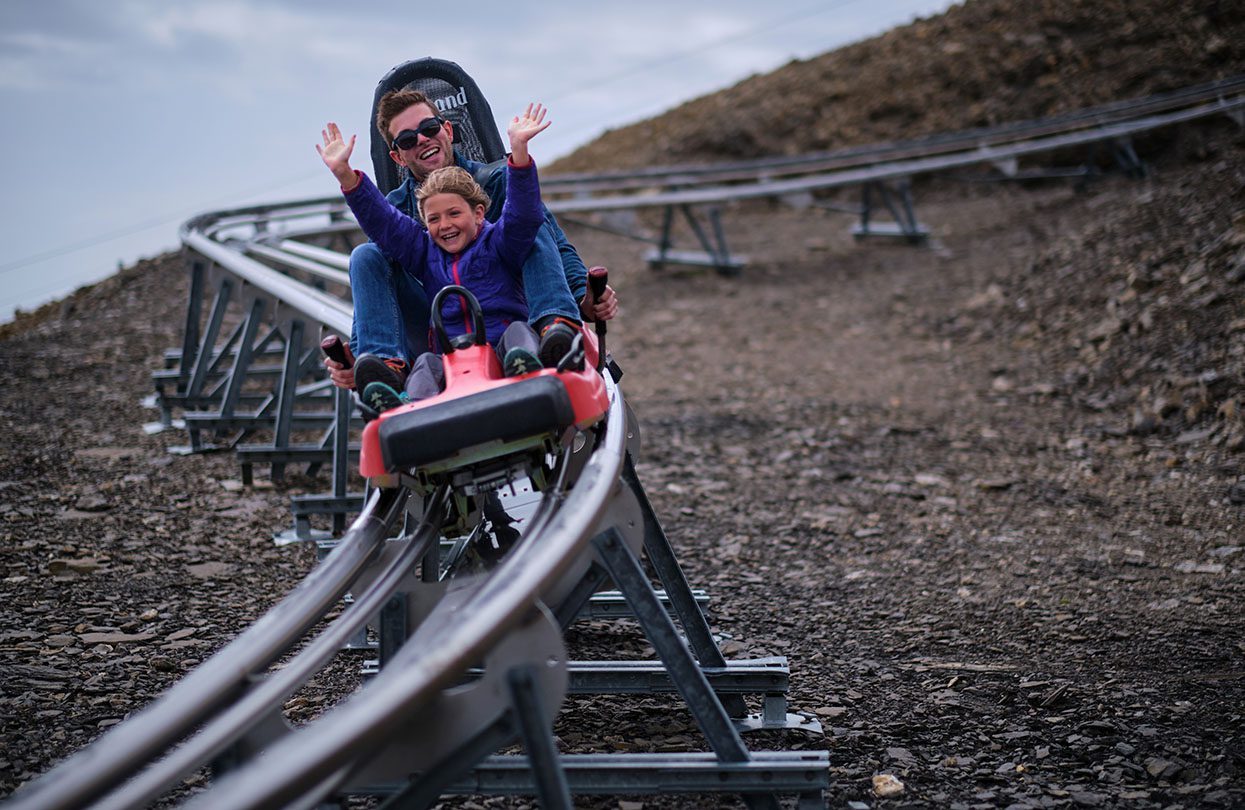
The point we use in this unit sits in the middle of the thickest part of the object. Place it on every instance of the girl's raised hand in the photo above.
(525, 127)
(336, 153)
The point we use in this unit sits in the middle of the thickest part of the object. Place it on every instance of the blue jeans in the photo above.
(390, 307)
(545, 282)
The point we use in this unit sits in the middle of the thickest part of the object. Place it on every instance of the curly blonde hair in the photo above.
(452, 180)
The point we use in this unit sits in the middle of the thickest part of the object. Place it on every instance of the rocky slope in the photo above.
(981, 63)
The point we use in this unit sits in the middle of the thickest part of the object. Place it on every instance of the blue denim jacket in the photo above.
(554, 276)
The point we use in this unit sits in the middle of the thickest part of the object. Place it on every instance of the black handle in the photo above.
(478, 337)
(335, 349)
(598, 279)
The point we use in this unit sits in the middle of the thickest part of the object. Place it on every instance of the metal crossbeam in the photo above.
(612, 605)
(259, 420)
(751, 677)
(802, 772)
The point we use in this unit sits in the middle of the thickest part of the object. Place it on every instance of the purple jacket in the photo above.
(491, 266)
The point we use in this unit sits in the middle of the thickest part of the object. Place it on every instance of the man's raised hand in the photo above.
(336, 155)
(522, 129)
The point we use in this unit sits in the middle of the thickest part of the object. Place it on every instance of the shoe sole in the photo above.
(553, 350)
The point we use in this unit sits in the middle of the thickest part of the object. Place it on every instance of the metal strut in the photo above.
(338, 503)
(662, 557)
(205, 356)
(190, 341)
(691, 682)
(716, 254)
(242, 359)
(537, 737)
(896, 197)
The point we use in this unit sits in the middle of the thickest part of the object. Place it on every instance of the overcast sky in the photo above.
(122, 119)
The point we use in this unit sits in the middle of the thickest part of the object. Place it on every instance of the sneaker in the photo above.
(555, 341)
(380, 397)
(519, 361)
(372, 368)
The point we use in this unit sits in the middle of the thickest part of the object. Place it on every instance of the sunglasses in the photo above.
(407, 138)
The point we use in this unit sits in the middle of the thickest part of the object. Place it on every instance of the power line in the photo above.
(704, 46)
(91, 241)
(666, 60)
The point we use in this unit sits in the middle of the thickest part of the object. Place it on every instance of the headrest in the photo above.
(458, 100)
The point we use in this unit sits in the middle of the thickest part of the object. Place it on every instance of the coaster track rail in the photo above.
(685, 175)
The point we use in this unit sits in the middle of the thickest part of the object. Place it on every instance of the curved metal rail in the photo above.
(769, 168)
(225, 238)
(875, 170)
(270, 694)
(93, 772)
(449, 642)
(457, 634)
(223, 692)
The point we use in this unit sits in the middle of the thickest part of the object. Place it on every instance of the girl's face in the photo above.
(452, 223)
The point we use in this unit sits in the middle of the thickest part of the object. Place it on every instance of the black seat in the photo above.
(458, 100)
(521, 410)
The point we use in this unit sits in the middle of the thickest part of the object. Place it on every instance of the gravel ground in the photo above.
(987, 497)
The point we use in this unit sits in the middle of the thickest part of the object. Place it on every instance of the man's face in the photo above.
(429, 153)
(452, 222)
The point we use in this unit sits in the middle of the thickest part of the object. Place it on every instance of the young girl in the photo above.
(459, 247)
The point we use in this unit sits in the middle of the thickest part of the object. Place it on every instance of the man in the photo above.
(391, 312)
